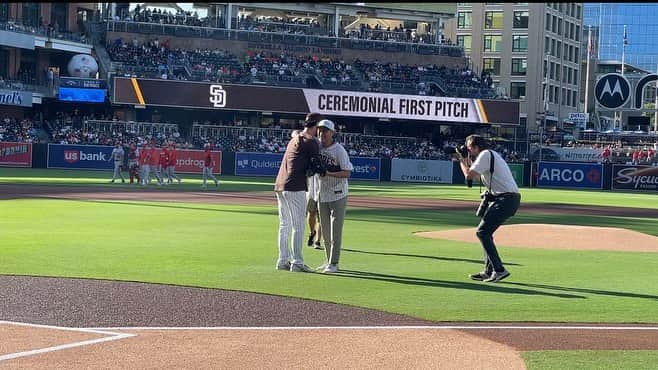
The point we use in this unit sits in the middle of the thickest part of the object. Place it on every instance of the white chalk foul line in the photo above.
(112, 336)
(430, 327)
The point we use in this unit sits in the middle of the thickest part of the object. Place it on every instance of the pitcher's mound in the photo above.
(558, 237)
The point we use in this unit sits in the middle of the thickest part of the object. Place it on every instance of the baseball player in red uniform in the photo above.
(154, 161)
(133, 164)
(171, 166)
(145, 163)
(163, 161)
(208, 164)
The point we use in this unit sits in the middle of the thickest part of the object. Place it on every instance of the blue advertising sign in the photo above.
(570, 175)
(366, 168)
(89, 157)
(257, 164)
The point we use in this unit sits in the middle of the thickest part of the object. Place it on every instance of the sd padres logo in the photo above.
(217, 96)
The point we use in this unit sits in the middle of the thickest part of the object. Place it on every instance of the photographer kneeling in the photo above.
(499, 202)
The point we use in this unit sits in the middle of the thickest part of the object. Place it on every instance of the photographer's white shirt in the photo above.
(503, 181)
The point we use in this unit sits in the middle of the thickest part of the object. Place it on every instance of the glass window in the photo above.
(519, 43)
(31, 14)
(4, 12)
(493, 43)
(550, 94)
(575, 77)
(557, 72)
(465, 42)
(573, 10)
(568, 101)
(569, 76)
(561, 7)
(548, 21)
(553, 47)
(493, 20)
(519, 66)
(517, 90)
(564, 96)
(547, 44)
(575, 55)
(572, 31)
(566, 51)
(559, 26)
(552, 72)
(464, 19)
(574, 97)
(554, 25)
(559, 49)
(521, 19)
(545, 68)
(577, 33)
(464, 4)
(578, 8)
(564, 74)
(491, 65)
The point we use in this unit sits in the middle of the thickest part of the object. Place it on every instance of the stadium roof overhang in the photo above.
(377, 10)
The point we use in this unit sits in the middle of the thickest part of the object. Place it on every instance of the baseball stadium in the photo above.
(140, 145)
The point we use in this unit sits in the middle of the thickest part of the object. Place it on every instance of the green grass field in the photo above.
(385, 266)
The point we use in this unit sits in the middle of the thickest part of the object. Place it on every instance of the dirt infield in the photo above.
(553, 237)
(163, 326)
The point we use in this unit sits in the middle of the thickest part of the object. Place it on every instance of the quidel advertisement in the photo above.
(15, 154)
(191, 161)
(635, 178)
(413, 170)
(89, 157)
(570, 175)
(267, 164)
(257, 164)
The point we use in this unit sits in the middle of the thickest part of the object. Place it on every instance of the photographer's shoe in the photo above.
(497, 276)
(480, 276)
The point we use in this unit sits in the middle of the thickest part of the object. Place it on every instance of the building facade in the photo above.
(522, 44)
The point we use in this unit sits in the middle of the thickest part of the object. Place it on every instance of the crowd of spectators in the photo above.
(293, 25)
(156, 58)
(180, 17)
(397, 34)
(18, 130)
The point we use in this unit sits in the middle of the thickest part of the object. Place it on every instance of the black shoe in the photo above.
(317, 245)
(310, 238)
(497, 276)
(480, 276)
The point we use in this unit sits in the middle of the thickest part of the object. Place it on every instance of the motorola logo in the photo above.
(612, 90)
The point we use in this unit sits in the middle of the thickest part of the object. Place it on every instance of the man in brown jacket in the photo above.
(290, 189)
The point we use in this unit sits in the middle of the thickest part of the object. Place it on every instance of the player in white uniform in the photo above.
(117, 156)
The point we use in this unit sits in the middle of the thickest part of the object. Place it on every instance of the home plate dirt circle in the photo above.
(549, 236)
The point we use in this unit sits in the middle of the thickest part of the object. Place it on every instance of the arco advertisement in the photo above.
(570, 175)
(15, 154)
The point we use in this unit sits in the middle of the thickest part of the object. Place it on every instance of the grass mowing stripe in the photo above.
(594, 360)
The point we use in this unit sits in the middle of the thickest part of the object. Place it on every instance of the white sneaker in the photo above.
(300, 268)
(324, 266)
(330, 269)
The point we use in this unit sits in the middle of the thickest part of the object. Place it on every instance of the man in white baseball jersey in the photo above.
(333, 194)
(117, 156)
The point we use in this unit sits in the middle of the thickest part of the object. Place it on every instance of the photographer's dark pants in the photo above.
(502, 208)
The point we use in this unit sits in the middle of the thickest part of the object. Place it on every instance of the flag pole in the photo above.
(623, 64)
(589, 56)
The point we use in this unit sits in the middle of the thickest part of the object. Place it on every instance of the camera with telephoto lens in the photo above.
(462, 150)
(485, 199)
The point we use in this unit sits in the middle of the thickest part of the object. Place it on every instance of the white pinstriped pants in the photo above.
(292, 217)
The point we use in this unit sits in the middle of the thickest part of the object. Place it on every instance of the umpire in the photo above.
(504, 200)
(290, 189)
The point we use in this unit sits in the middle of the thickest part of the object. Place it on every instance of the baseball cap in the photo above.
(328, 124)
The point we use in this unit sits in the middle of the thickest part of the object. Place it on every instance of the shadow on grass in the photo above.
(449, 259)
(489, 287)
(589, 291)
